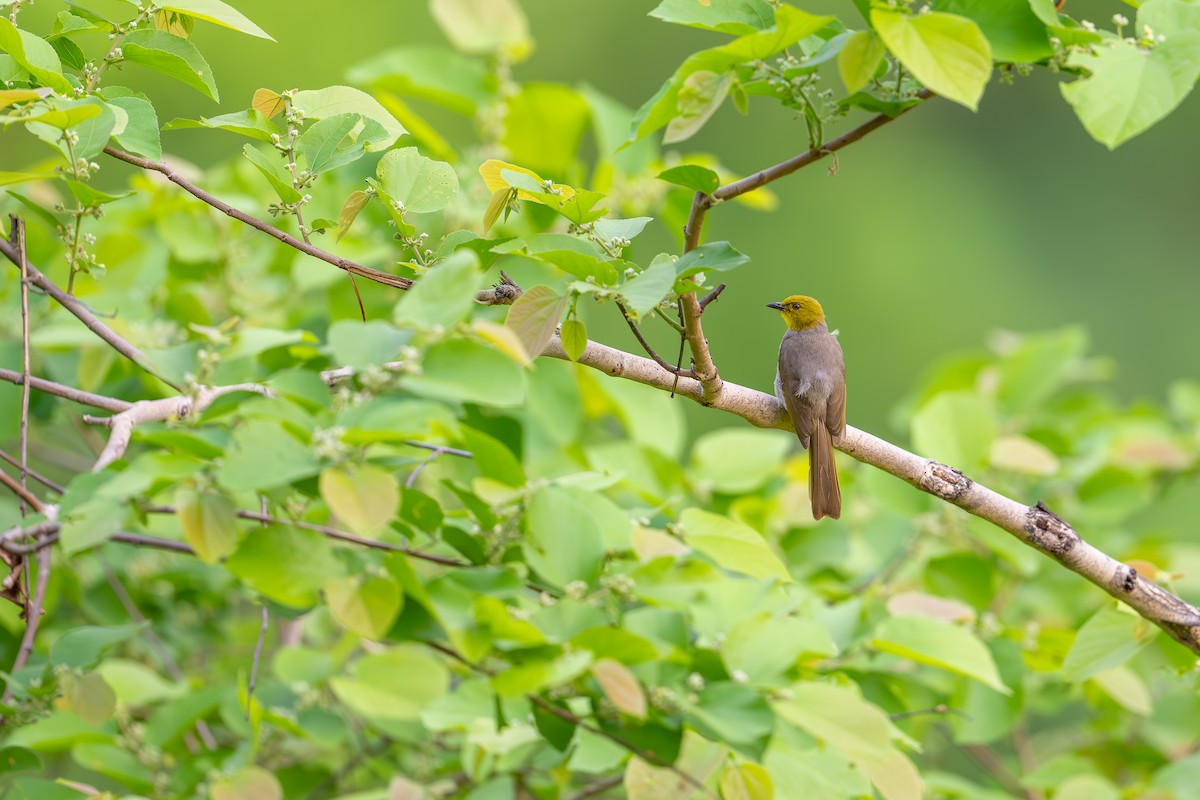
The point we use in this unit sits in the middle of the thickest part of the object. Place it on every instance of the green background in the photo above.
(936, 232)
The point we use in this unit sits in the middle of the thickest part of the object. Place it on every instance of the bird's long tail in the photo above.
(823, 488)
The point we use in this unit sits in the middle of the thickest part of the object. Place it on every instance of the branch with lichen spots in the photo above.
(1036, 525)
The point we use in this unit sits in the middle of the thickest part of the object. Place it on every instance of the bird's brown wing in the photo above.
(835, 410)
(801, 413)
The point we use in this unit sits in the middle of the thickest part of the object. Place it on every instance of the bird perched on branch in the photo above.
(811, 383)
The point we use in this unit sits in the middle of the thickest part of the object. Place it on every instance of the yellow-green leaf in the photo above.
(859, 59)
(946, 52)
(747, 782)
(574, 338)
(366, 605)
(209, 523)
(534, 316)
(364, 500)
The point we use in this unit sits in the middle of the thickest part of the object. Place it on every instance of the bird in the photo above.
(811, 384)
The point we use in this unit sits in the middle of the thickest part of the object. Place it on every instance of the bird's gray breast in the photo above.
(812, 360)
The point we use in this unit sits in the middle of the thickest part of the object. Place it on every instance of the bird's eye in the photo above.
(795, 306)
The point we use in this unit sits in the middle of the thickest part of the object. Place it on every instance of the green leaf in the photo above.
(359, 345)
(90, 697)
(396, 684)
(692, 176)
(285, 564)
(737, 461)
(262, 455)
(553, 513)
(733, 545)
(543, 126)
(946, 52)
(765, 647)
(365, 500)
(18, 759)
(1131, 88)
(712, 257)
(583, 266)
(245, 123)
(1012, 28)
(81, 647)
(791, 25)
(92, 523)
(451, 80)
(209, 523)
(329, 143)
(331, 101)
(419, 183)
(734, 714)
(956, 428)
(273, 170)
(747, 782)
(538, 675)
(444, 295)
(1106, 641)
(700, 95)
(859, 730)
(644, 291)
(172, 56)
(35, 55)
(859, 59)
(534, 318)
(736, 17)
(940, 644)
(219, 13)
(574, 338)
(141, 128)
(469, 372)
(365, 604)
(484, 26)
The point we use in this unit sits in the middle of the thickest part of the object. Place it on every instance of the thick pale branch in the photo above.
(387, 279)
(72, 304)
(1035, 525)
(123, 423)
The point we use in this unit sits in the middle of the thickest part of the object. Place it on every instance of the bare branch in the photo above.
(713, 295)
(17, 237)
(387, 279)
(50, 387)
(668, 366)
(37, 476)
(262, 635)
(33, 617)
(339, 374)
(23, 494)
(123, 423)
(83, 313)
(504, 293)
(1035, 525)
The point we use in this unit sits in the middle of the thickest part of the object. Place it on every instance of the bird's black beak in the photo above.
(776, 306)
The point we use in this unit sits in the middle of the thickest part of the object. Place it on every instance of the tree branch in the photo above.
(386, 278)
(17, 237)
(67, 392)
(123, 423)
(668, 366)
(702, 361)
(72, 304)
(1036, 526)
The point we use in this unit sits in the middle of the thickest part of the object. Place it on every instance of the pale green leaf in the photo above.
(940, 644)
(365, 500)
(534, 317)
(209, 523)
(946, 52)
(220, 13)
(731, 544)
(859, 59)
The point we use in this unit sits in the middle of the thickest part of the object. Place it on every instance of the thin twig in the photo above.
(23, 494)
(33, 617)
(713, 295)
(160, 649)
(17, 237)
(66, 392)
(416, 473)
(262, 634)
(598, 787)
(650, 350)
(37, 476)
(85, 315)
(450, 451)
(378, 276)
(939, 709)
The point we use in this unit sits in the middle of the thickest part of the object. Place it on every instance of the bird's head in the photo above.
(799, 312)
